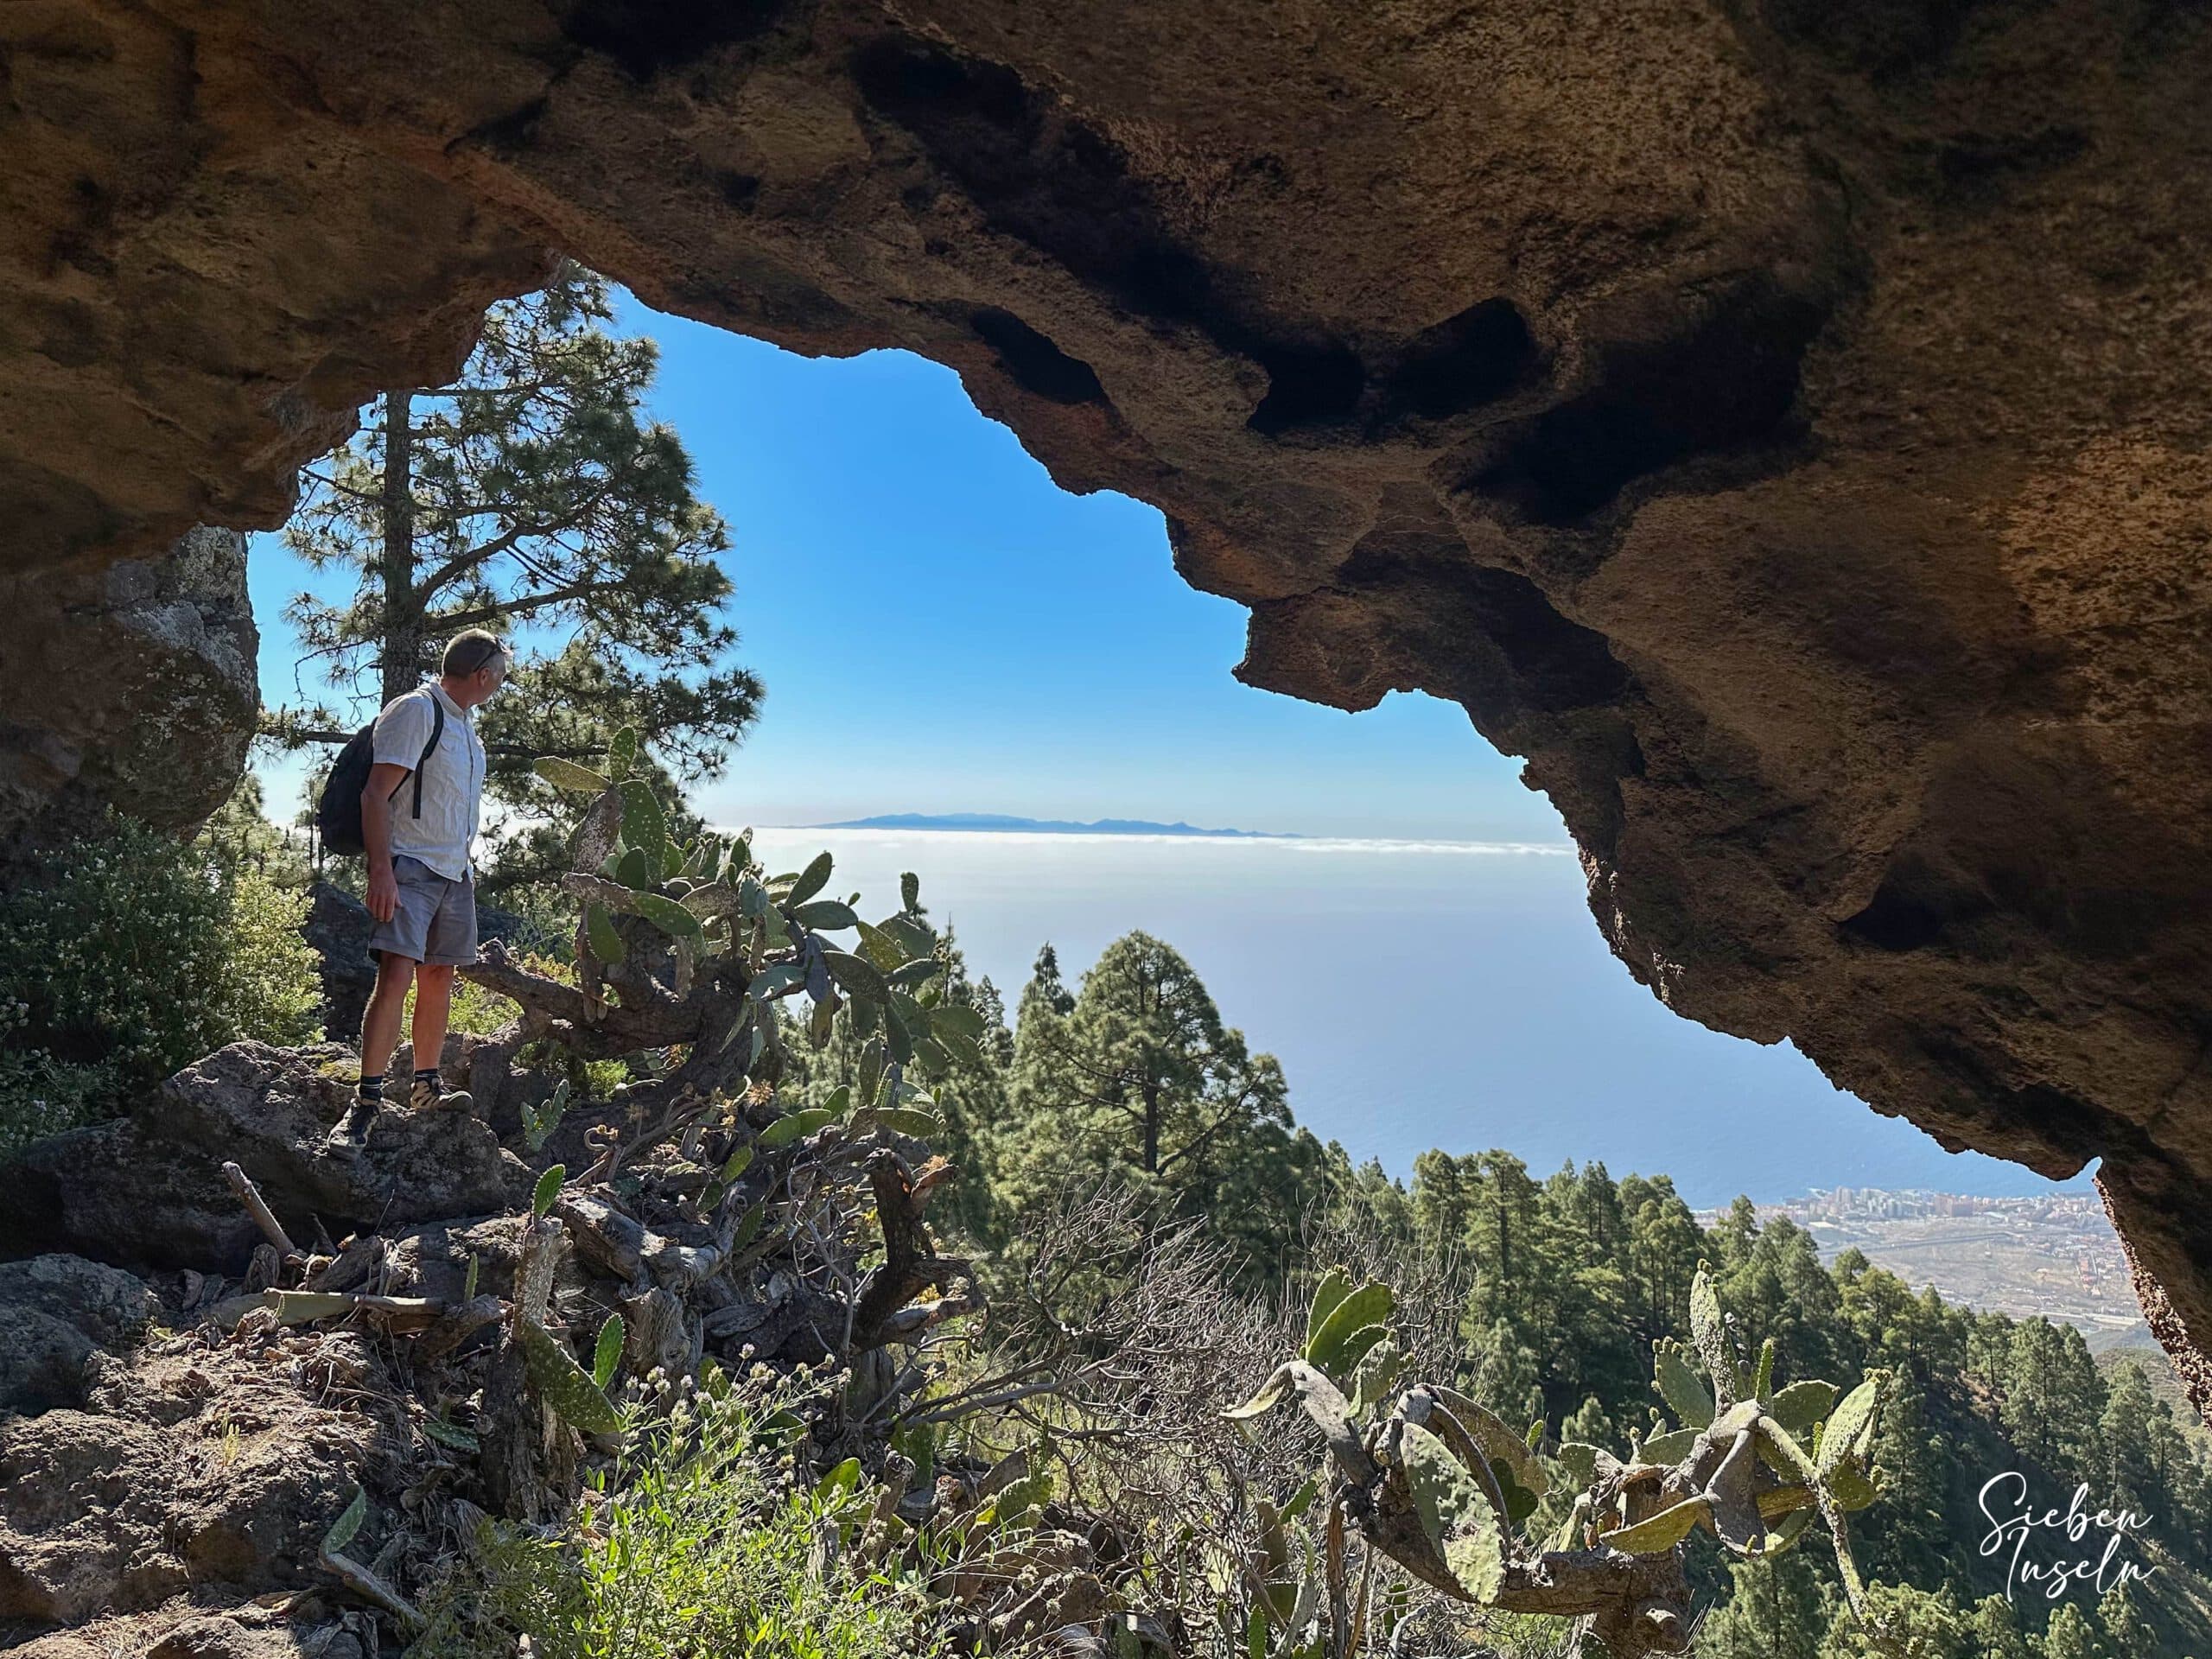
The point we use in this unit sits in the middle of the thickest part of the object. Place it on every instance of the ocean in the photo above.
(1419, 994)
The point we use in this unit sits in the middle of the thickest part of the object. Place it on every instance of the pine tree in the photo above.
(1137, 1073)
(1774, 1609)
(2071, 1634)
(1915, 1623)
(533, 494)
(1507, 1241)
(1663, 1247)
(1996, 1632)
(1443, 1195)
(1735, 1231)
(2054, 1399)
(1909, 1536)
(2143, 1451)
(1592, 1424)
(1510, 1374)
(2128, 1627)
(1777, 1284)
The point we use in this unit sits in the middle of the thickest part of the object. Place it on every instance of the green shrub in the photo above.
(271, 987)
(41, 1096)
(130, 955)
(701, 1540)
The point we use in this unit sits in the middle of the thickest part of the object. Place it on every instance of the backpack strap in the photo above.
(437, 731)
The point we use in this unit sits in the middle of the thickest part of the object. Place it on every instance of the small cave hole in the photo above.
(1033, 362)
(1911, 910)
(1723, 385)
(648, 37)
(1308, 387)
(1462, 363)
(741, 190)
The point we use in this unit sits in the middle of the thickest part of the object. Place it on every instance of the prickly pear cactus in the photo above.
(720, 910)
(1442, 1485)
(563, 1384)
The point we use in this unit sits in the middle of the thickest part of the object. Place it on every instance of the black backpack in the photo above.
(338, 812)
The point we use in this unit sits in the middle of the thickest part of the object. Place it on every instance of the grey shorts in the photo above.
(434, 920)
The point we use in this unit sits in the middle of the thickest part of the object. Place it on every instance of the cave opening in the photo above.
(1786, 437)
(1081, 680)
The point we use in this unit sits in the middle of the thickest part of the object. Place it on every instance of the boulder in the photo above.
(117, 1193)
(55, 1312)
(338, 928)
(111, 1307)
(102, 1513)
(148, 1190)
(132, 687)
(42, 1360)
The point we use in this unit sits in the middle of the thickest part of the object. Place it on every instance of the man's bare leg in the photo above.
(433, 1008)
(387, 1007)
(379, 1036)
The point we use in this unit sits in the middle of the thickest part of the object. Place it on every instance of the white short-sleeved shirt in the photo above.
(453, 780)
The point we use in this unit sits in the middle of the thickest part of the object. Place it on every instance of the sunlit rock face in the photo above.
(1785, 424)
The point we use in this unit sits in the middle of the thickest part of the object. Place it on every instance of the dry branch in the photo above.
(264, 1217)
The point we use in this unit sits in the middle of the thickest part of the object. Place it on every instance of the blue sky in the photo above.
(942, 628)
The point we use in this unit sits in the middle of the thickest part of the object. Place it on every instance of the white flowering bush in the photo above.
(41, 1096)
(130, 954)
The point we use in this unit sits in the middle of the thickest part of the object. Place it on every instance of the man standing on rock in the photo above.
(422, 887)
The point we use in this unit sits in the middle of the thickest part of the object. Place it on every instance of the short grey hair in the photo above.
(474, 649)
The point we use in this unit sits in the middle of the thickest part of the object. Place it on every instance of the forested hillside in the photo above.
(1130, 1232)
(1559, 1286)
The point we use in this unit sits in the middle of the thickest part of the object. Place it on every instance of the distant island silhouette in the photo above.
(1001, 822)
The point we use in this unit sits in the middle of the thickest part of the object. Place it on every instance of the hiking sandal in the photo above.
(351, 1133)
(436, 1097)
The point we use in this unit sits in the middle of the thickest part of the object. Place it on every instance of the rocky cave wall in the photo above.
(1784, 425)
(126, 683)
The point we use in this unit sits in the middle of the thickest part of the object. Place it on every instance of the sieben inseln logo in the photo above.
(2076, 1545)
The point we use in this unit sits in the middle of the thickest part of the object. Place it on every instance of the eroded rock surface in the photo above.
(1784, 425)
(56, 1312)
(129, 684)
(199, 1472)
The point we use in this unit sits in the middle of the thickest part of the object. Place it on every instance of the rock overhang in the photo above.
(1784, 427)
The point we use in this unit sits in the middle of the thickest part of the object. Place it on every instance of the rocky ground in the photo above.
(191, 1396)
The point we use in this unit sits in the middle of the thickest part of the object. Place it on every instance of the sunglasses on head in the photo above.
(494, 650)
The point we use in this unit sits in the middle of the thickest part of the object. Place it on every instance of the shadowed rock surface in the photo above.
(127, 684)
(55, 1312)
(1784, 425)
(148, 1190)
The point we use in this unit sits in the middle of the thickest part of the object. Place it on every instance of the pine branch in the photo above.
(521, 751)
(459, 619)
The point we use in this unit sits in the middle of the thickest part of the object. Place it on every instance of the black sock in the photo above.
(371, 1087)
(429, 1076)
